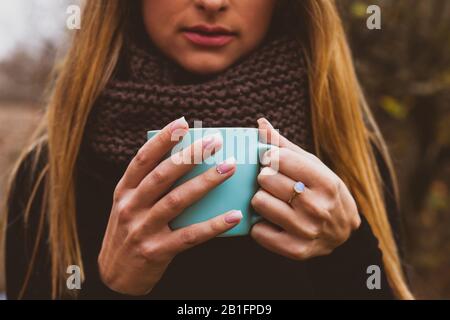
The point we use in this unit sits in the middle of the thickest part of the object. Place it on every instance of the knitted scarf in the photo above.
(149, 91)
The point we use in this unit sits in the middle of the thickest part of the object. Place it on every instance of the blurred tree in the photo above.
(23, 76)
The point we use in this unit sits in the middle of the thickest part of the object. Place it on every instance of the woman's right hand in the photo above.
(138, 244)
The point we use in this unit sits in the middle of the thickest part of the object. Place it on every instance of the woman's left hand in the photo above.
(317, 220)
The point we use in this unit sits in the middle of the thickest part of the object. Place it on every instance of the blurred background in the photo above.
(404, 69)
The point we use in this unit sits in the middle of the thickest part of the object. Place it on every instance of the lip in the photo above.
(209, 35)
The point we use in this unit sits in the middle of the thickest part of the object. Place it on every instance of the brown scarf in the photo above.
(149, 91)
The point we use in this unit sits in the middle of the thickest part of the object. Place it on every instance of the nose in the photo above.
(211, 6)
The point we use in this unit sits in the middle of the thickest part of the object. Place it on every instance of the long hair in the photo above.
(344, 128)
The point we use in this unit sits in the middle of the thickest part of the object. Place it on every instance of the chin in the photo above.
(205, 64)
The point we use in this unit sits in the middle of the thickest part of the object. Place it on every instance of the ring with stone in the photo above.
(298, 188)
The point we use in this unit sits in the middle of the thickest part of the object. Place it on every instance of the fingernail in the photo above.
(213, 140)
(268, 171)
(265, 161)
(264, 121)
(233, 217)
(179, 124)
(226, 166)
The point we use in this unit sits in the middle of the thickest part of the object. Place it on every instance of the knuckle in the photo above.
(177, 158)
(158, 177)
(216, 226)
(327, 251)
(163, 137)
(208, 179)
(254, 231)
(189, 237)
(168, 136)
(328, 206)
(258, 199)
(173, 200)
(324, 213)
(257, 231)
(262, 178)
(124, 212)
(356, 217)
(299, 252)
(150, 250)
(332, 188)
(134, 235)
(297, 226)
(117, 194)
(141, 157)
(310, 231)
(356, 222)
(319, 209)
(312, 206)
(313, 232)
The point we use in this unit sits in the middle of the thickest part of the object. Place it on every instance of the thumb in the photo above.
(268, 134)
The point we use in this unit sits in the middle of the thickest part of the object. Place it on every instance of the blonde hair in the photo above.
(344, 128)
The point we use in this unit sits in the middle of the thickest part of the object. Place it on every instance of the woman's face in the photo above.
(207, 36)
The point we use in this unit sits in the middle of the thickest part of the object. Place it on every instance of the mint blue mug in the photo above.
(236, 192)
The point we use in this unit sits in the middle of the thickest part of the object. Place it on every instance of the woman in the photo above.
(91, 192)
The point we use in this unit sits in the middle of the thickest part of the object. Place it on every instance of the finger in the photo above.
(298, 167)
(276, 183)
(268, 134)
(151, 153)
(283, 215)
(157, 182)
(193, 235)
(282, 187)
(351, 207)
(281, 242)
(190, 192)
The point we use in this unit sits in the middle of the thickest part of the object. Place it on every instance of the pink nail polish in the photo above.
(226, 166)
(179, 124)
(233, 217)
(207, 141)
(212, 141)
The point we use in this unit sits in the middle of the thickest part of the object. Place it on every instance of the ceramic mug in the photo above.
(236, 192)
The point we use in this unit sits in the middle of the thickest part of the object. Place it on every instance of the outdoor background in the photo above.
(404, 69)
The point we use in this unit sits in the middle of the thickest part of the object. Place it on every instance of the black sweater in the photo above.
(229, 268)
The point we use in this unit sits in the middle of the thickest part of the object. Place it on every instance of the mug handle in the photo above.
(262, 148)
